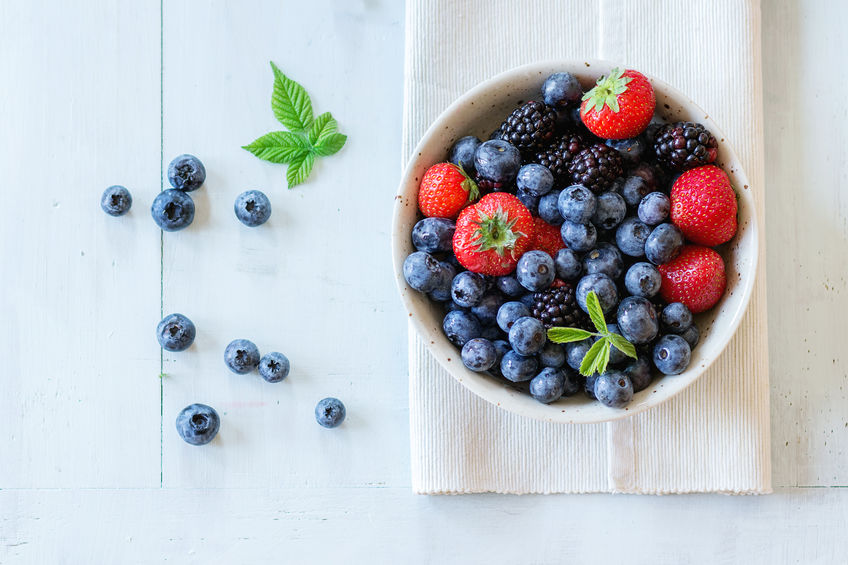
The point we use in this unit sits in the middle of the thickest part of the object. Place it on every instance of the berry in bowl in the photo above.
(574, 242)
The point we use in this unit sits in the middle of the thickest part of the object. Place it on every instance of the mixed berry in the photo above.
(571, 250)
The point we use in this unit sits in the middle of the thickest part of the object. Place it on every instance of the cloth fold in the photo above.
(713, 437)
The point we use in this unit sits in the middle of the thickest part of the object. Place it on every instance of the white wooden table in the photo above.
(91, 469)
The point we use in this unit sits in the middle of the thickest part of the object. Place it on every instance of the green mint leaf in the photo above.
(329, 144)
(278, 147)
(590, 359)
(623, 345)
(323, 125)
(602, 360)
(567, 335)
(290, 102)
(596, 313)
(299, 169)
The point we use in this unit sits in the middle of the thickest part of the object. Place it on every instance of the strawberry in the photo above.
(620, 106)
(492, 235)
(703, 206)
(546, 237)
(445, 189)
(695, 277)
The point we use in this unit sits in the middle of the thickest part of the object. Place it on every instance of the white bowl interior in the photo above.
(479, 112)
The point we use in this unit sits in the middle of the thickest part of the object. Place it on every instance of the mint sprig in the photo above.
(597, 358)
(308, 137)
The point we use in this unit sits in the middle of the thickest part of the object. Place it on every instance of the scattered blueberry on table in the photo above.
(241, 356)
(172, 210)
(252, 208)
(274, 367)
(175, 332)
(116, 200)
(330, 412)
(186, 173)
(198, 424)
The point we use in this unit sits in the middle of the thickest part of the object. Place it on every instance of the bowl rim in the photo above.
(500, 396)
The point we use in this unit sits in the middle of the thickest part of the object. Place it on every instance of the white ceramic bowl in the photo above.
(478, 112)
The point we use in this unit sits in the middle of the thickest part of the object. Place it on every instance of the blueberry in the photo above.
(535, 271)
(518, 368)
(692, 335)
(241, 356)
(654, 208)
(617, 357)
(634, 190)
(442, 292)
(116, 200)
(172, 210)
(468, 288)
(487, 309)
(501, 348)
(175, 332)
(631, 236)
(671, 354)
(479, 354)
(631, 150)
(643, 279)
(422, 271)
(649, 174)
(198, 424)
(527, 336)
(639, 373)
(664, 244)
(614, 389)
(561, 89)
(579, 237)
(589, 386)
(535, 179)
(552, 355)
(610, 210)
(510, 286)
(330, 412)
(530, 201)
(186, 173)
(528, 299)
(573, 382)
(577, 204)
(252, 208)
(497, 161)
(491, 333)
(450, 306)
(274, 367)
(547, 386)
(568, 265)
(575, 351)
(509, 312)
(603, 286)
(676, 318)
(549, 208)
(462, 153)
(460, 326)
(604, 259)
(637, 320)
(433, 235)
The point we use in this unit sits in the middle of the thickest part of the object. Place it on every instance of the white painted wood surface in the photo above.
(90, 466)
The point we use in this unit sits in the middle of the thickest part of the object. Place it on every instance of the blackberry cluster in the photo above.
(529, 127)
(558, 307)
(559, 154)
(596, 167)
(685, 145)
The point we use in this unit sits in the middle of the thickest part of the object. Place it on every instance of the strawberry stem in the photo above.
(495, 232)
(606, 91)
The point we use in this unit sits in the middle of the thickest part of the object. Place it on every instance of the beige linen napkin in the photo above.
(714, 437)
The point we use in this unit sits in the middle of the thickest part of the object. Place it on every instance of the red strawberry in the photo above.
(445, 189)
(546, 237)
(492, 235)
(695, 277)
(703, 206)
(620, 106)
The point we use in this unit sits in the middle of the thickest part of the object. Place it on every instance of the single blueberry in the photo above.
(577, 204)
(501, 348)
(241, 356)
(198, 424)
(462, 153)
(549, 208)
(487, 309)
(664, 244)
(527, 336)
(643, 279)
(568, 265)
(671, 354)
(654, 208)
(676, 318)
(422, 271)
(460, 326)
(175, 332)
(604, 259)
(609, 211)
(518, 368)
(252, 208)
(186, 173)
(330, 412)
(116, 200)
(614, 389)
(528, 299)
(497, 161)
(561, 89)
(450, 306)
(535, 270)
(637, 320)
(631, 236)
(692, 335)
(479, 354)
(639, 373)
(579, 237)
(634, 189)
(274, 367)
(491, 333)
(433, 235)
(509, 312)
(552, 355)
(468, 288)
(510, 286)
(603, 286)
(172, 210)
(535, 179)
(576, 351)
(631, 150)
(530, 201)
(547, 386)
(442, 292)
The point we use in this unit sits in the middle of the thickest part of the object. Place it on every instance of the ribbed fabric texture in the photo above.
(714, 437)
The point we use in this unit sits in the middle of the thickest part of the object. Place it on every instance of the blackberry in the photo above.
(596, 167)
(529, 127)
(558, 307)
(559, 154)
(685, 145)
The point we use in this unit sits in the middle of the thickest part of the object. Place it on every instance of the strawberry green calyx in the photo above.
(495, 232)
(607, 90)
(469, 186)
